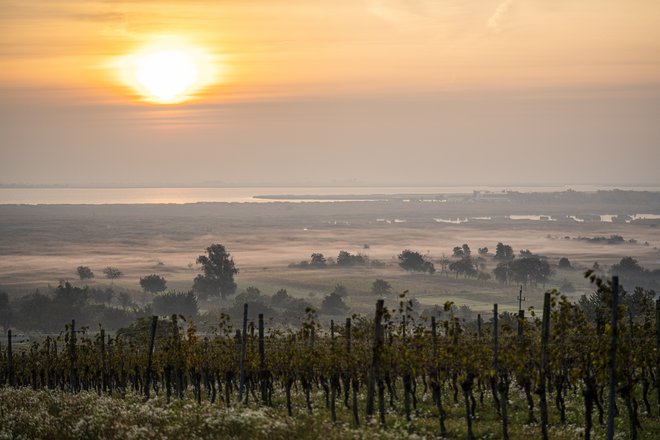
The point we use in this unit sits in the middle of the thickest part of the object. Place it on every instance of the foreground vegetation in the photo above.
(55, 414)
(28, 414)
(395, 375)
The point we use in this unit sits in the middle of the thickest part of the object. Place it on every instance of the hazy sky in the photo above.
(341, 91)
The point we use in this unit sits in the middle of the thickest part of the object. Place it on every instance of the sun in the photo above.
(168, 71)
(166, 74)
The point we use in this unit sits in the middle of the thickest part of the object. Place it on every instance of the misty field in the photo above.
(42, 245)
(88, 359)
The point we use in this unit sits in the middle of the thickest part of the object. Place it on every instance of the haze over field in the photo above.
(44, 244)
(294, 219)
(320, 93)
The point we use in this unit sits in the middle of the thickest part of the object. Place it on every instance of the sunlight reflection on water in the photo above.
(34, 196)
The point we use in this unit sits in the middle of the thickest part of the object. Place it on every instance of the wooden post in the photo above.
(152, 339)
(180, 361)
(352, 376)
(479, 326)
(496, 332)
(657, 346)
(381, 399)
(333, 378)
(49, 367)
(262, 361)
(104, 378)
(10, 360)
(493, 379)
(111, 380)
(545, 333)
(407, 381)
(241, 388)
(72, 358)
(375, 360)
(466, 386)
(499, 388)
(657, 323)
(521, 322)
(521, 312)
(612, 359)
(435, 380)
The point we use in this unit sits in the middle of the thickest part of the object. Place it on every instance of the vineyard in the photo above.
(549, 375)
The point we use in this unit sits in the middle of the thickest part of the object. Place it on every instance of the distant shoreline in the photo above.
(261, 195)
(575, 186)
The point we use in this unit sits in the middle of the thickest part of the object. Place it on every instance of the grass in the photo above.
(28, 414)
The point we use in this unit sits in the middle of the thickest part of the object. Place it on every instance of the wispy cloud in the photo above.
(99, 16)
(495, 19)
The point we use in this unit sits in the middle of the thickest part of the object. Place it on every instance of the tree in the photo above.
(249, 295)
(176, 303)
(627, 266)
(47, 312)
(333, 304)
(533, 270)
(564, 263)
(479, 263)
(640, 302)
(340, 290)
(347, 259)
(461, 251)
(317, 260)
(112, 273)
(483, 276)
(125, 300)
(464, 266)
(483, 251)
(84, 272)
(381, 288)
(444, 264)
(502, 273)
(101, 296)
(153, 283)
(69, 299)
(280, 298)
(415, 262)
(35, 312)
(218, 273)
(597, 304)
(503, 252)
(5, 310)
(634, 275)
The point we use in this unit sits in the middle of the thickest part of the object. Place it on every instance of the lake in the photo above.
(98, 196)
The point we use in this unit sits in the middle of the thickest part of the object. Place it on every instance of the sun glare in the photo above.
(168, 72)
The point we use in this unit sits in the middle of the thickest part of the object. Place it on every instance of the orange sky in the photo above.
(56, 55)
(344, 46)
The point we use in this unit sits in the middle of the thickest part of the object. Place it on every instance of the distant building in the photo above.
(489, 196)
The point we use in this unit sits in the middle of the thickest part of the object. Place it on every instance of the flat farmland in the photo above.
(43, 244)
